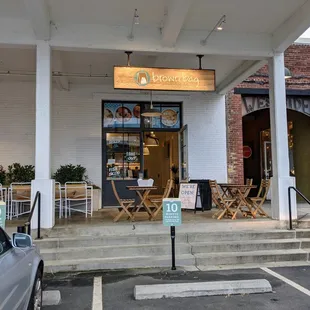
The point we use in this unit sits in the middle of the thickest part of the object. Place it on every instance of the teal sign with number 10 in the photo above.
(172, 215)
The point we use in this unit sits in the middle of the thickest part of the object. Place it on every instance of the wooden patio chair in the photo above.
(20, 199)
(225, 205)
(165, 191)
(257, 202)
(248, 182)
(76, 195)
(158, 202)
(125, 204)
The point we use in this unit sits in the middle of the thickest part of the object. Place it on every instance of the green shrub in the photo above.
(19, 173)
(2, 175)
(70, 173)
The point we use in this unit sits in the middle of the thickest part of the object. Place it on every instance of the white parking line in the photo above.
(286, 280)
(97, 294)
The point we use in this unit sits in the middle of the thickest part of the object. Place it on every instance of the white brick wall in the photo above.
(17, 126)
(76, 127)
(205, 116)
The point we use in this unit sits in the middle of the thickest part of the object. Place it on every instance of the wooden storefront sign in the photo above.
(164, 79)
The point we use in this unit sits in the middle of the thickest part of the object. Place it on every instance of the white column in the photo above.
(281, 179)
(43, 182)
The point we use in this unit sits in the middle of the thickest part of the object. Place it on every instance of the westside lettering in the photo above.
(252, 104)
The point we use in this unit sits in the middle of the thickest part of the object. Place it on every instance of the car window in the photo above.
(5, 244)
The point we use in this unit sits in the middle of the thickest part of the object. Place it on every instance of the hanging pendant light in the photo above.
(151, 140)
(151, 112)
(287, 73)
(146, 150)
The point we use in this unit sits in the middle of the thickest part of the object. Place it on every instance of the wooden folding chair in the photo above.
(165, 191)
(225, 205)
(125, 204)
(257, 202)
(158, 202)
(248, 182)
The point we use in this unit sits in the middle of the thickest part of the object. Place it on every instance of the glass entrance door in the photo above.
(266, 152)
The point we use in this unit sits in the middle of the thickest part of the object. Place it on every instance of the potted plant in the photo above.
(19, 173)
(2, 175)
(77, 173)
(70, 173)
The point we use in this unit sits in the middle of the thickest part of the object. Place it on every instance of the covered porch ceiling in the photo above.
(91, 36)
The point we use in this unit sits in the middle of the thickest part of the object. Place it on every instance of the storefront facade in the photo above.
(57, 63)
(79, 135)
(251, 100)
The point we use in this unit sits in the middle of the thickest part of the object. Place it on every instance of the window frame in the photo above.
(8, 242)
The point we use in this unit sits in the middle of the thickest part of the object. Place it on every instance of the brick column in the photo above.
(235, 171)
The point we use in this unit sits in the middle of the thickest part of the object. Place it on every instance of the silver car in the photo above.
(21, 271)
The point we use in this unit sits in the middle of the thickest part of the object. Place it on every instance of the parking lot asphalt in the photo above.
(117, 290)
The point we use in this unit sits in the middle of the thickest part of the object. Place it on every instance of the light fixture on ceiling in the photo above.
(218, 26)
(151, 112)
(136, 18)
(151, 140)
(135, 21)
(287, 73)
(146, 150)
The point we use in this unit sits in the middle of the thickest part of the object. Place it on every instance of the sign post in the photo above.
(2, 214)
(172, 216)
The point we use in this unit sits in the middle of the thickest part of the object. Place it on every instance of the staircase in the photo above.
(215, 249)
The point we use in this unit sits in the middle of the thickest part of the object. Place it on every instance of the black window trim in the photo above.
(8, 240)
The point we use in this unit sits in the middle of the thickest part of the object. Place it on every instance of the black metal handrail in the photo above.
(27, 225)
(290, 203)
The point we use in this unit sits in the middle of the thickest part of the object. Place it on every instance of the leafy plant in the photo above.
(70, 173)
(2, 175)
(175, 171)
(19, 173)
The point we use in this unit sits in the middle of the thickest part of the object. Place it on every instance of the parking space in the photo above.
(76, 292)
(117, 290)
(300, 275)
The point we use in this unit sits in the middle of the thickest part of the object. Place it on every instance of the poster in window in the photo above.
(121, 115)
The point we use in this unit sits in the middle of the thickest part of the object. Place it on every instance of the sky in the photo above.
(306, 34)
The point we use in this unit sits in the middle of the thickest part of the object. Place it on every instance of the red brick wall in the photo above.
(234, 138)
(297, 59)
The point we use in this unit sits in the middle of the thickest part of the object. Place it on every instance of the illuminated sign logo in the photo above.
(142, 78)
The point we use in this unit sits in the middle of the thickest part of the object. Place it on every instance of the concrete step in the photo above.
(245, 246)
(151, 250)
(258, 257)
(302, 233)
(83, 242)
(161, 238)
(128, 228)
(116, 263)
(241, 235)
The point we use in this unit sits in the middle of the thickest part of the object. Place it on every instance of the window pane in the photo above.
(170, 118)
(123, 155)
(131, 115)
(118, 115)
(5, 245)
(115, 151)
(132, 156)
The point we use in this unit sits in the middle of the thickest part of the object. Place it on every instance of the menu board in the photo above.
(188, 195)
(121, 115)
